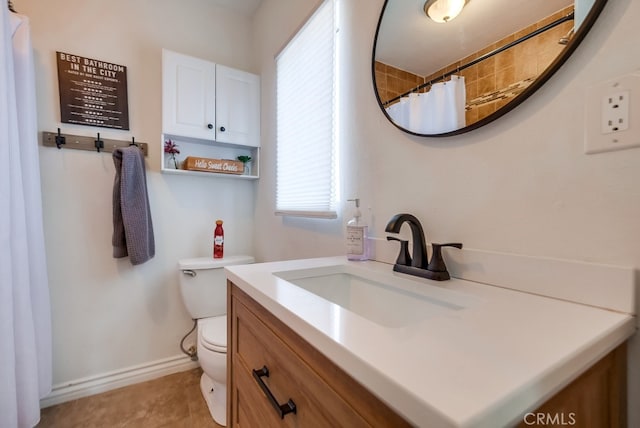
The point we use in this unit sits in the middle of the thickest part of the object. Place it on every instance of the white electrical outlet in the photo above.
(615, 112)
(612, 115)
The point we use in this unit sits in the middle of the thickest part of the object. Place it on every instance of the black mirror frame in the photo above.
(579, 35)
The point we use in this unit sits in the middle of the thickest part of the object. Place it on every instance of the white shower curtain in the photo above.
(25, 315)
(440, 110)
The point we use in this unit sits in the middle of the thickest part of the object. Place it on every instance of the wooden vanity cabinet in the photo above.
(596, 399)
(325, 396)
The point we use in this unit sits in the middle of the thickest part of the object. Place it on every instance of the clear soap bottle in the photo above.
(357, 232)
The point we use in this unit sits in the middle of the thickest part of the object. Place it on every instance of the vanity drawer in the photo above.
(317, 405)
(250, 404)
(323, 394)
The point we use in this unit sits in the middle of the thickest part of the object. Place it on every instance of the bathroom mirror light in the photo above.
(486, 63)
(443, 10)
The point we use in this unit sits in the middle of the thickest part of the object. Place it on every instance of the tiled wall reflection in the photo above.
(493, 82)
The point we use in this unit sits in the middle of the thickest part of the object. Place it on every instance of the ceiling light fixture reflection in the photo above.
(443, 10)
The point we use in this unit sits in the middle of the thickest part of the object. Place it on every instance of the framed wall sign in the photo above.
(92, 92)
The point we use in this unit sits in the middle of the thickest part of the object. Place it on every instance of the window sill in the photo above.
(307, 214)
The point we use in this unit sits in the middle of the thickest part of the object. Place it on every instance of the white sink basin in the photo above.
(387, 300)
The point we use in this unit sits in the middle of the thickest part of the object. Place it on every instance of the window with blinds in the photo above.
(307, 152)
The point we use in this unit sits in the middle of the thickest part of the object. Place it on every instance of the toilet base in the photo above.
(215, 395)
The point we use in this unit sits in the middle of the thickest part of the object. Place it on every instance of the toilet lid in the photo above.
(214, 333)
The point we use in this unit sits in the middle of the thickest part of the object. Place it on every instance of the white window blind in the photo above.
(306, 138)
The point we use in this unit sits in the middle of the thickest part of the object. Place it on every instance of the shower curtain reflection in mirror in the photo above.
(438, 111)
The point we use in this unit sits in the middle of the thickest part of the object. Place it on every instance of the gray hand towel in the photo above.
(132, 227)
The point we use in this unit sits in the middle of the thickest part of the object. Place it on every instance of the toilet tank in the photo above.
(203, 284)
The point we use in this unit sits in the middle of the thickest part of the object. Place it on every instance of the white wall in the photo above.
(519, 185)
(108, 315)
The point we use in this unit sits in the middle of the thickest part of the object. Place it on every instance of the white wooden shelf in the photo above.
(211, 149)
(208, 174)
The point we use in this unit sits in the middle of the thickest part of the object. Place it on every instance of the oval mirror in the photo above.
(445, 78)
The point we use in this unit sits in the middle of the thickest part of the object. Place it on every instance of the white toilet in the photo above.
(203, 285)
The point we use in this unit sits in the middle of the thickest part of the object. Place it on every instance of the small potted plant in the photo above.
(245, 161)
(171, 150)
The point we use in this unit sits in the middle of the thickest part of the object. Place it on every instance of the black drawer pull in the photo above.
(282, 409)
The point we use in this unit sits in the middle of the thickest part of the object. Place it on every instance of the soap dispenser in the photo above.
(357, 232)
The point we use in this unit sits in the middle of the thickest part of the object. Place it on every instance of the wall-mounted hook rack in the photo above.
(102, 145)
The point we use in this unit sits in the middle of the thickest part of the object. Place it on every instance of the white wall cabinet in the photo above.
(237, 106)
(209, 110)
(188, 96)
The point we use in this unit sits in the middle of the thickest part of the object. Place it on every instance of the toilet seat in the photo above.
(213, 333)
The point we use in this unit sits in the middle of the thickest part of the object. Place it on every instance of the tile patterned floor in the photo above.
(167, 402)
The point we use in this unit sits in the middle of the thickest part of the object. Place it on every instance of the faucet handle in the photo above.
(437, 262)
(403, 257)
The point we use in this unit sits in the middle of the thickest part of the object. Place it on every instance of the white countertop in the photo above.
(483, 366)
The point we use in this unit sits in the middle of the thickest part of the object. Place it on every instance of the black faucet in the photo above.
(419, 257)
(417, 264)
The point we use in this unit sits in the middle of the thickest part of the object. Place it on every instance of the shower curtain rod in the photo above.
(526, 37)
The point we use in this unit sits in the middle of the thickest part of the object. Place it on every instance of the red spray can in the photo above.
(218, 241)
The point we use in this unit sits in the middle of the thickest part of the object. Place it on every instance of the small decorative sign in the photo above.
(225, 166)
(92, 92)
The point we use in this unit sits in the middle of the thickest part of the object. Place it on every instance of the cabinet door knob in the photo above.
(222, 129)
(210, 126)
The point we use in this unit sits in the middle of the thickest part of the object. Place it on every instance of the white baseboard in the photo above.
(91, 385)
